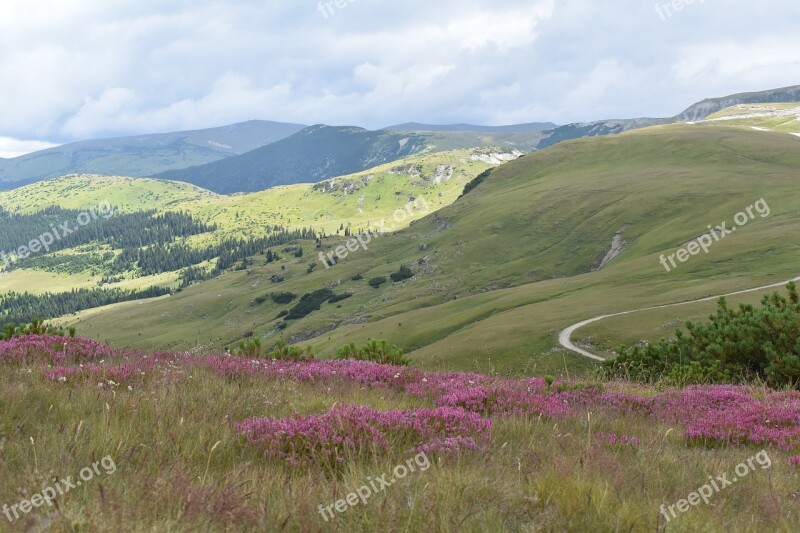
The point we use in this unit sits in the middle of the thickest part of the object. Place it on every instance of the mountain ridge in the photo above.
(313, 154)
(512, 128)
(697, 111)
(141, 155)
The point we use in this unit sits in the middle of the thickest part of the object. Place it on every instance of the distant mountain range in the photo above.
(695, 112)
(515, 128)
(143, 155)
(256, 155)
(701, 110)
(311, 155)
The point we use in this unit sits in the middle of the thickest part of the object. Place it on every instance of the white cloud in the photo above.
(15, 147)
(84, 68)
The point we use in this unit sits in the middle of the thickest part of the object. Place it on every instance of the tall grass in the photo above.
(183, 466)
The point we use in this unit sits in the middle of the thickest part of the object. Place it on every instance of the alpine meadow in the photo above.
(364, 266)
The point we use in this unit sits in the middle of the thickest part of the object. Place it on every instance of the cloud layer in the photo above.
(81, 69)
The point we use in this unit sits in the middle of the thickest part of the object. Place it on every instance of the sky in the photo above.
(81, 69)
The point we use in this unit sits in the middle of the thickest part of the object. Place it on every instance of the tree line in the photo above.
(22, 308)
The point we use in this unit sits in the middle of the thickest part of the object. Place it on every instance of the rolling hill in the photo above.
(143, 155)
(497, 274)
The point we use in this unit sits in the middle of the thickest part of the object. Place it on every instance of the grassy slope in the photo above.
(329, 205)
(83, 191)
(359, 200)
(773, 117)
(508, 266)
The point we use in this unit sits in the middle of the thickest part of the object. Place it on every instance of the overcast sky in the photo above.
(77, 69)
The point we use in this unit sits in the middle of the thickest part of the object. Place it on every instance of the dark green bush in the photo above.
(401, 275)
(377, 282)
(309, 303)
(761, 342)
(282, 298)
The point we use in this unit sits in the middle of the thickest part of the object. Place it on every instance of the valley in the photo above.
(540, 226)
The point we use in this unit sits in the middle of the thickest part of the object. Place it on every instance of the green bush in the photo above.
(283, 352)
(761, 342)
(375, 351)
(309, 303)
(251, 348)
(403, 274)
(36, 327)
(282, 298)
(377, 282)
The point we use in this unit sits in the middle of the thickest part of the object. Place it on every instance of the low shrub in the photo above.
(377, 352)
(282, 298)
(735, 345)
(401, 275)
(377, 282)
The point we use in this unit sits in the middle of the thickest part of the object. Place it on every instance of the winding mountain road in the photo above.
(565, 336)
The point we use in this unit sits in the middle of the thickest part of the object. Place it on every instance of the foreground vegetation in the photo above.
(190, 437)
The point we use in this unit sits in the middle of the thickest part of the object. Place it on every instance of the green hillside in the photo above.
(78, 191)
(501, 271)
(340, 205)
(764, 117)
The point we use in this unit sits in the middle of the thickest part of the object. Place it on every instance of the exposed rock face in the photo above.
(617, 245)
(496, 158)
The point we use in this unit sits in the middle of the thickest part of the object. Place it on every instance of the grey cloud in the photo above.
(124, 67)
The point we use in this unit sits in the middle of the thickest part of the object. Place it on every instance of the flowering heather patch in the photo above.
(349, 432)
(732, 415)
(502, 401)
(617, 440)
(52, 350)
(755, 422)
(363, 372)
(689, 404)
(794, 460)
